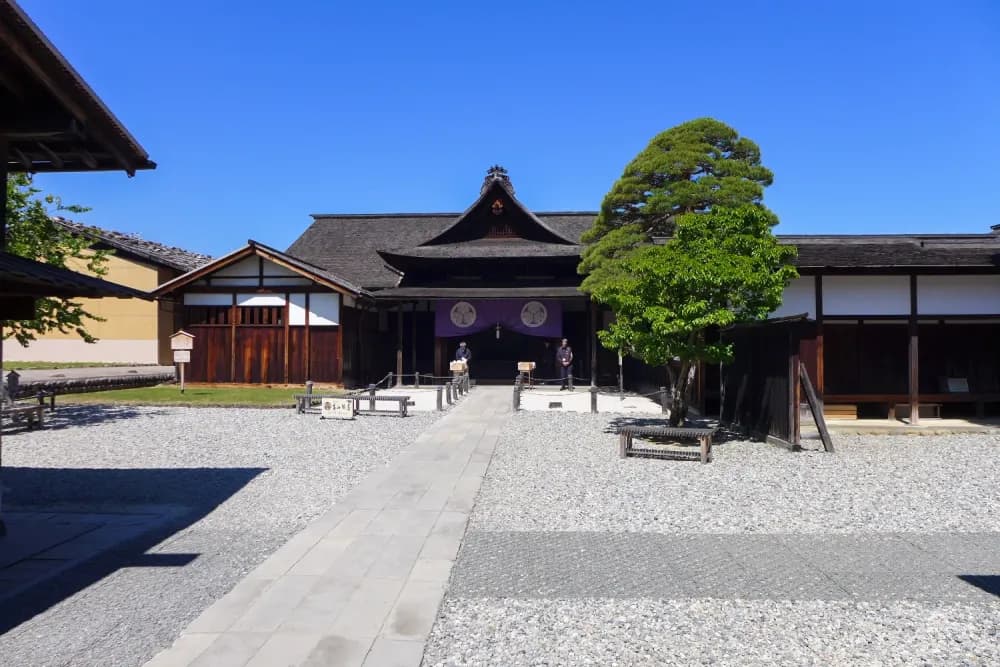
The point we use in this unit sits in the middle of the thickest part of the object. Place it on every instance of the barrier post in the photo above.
(440, 397)
(593, 400)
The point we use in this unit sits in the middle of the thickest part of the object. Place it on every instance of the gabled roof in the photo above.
(53, 120)
(253, 248)
(156, 253)
(348, 244)
(496, 185)
(21, 276)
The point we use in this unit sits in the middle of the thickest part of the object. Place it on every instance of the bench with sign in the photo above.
(702, 435)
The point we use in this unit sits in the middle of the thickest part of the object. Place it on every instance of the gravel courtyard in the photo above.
(886, 552)
(248, 479)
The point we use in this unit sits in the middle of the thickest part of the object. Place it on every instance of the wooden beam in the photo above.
(11, 85)
(592, 340)
(59, 92)
(22, 158)
(56, 161)
(340, 348)
(794, 389)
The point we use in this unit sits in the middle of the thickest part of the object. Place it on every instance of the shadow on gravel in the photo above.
(987, 582)
(72, 416)
(199, 490)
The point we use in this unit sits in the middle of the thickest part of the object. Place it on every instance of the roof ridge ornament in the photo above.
(494, 174)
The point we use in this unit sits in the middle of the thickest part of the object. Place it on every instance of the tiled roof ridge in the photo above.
(131, 242)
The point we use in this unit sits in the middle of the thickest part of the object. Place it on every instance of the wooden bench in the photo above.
(702, 435)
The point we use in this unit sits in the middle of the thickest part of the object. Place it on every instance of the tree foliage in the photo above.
(693, 167)
(718, 268)
(32, 233)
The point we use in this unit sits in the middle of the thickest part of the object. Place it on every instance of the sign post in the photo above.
(182, 343)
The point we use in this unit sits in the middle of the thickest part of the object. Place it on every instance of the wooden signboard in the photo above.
(182, 356)
(337, 408)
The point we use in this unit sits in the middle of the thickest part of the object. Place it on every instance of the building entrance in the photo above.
(495, 359)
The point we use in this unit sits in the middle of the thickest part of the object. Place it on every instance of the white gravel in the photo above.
(272, 470)
(563, 473)
(711, 632)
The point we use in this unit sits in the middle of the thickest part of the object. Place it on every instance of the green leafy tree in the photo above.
(693, 167)
(718, 268)
(32, 233)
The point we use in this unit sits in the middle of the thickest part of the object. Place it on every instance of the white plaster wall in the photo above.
(958, 295)
(324, 309)
(244, 267)
(799, 297)
(103, 351)
(296, 309)
(866, 295)
(260, 300)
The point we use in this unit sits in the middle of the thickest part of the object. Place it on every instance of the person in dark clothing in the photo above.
(463, 353)
(564, 358)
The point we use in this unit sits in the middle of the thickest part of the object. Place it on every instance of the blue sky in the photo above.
(876, 117)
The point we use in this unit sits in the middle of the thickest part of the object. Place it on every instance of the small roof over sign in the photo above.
(181, 332)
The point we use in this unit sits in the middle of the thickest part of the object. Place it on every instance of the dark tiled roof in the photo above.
(308, 269)
(477, 292)
(157, 253)
(349, 244)
(487, 249)
(26, 277)
(893, 252)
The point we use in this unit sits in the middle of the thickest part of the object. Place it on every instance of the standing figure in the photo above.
(463, 354)
(564, 357)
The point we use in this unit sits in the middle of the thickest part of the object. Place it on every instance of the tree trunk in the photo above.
(678, 394)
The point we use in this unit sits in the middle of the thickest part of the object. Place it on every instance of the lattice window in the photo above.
(206, 315)
(500, 230)
(260, 315)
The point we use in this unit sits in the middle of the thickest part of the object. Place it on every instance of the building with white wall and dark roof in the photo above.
(357, 296)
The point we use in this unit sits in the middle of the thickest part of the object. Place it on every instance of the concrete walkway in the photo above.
(362, 584)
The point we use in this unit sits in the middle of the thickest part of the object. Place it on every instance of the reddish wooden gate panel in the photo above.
(211, 355)
(260, 354)
(324, 348)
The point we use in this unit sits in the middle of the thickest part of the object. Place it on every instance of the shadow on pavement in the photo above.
(199, 490)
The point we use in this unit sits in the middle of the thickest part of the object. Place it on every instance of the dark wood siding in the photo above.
(211, 355)
(260, 353)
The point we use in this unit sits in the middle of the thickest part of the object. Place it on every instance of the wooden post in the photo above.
(371, 397)
(914, 356)
(820, 374)
(816, 407)
(593, 343)
(3, 246)
(308, 352)
(182, 376)
(663, 400)
(440, 397)
(593, 399)
(794, 397)
(399, 345)
(288, 298)
(413, 334)
(233, 312)
(438, 356)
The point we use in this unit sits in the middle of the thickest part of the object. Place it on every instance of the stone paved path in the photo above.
(362, 584)
(938, 566)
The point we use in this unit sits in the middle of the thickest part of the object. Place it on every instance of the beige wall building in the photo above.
(133, 331)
